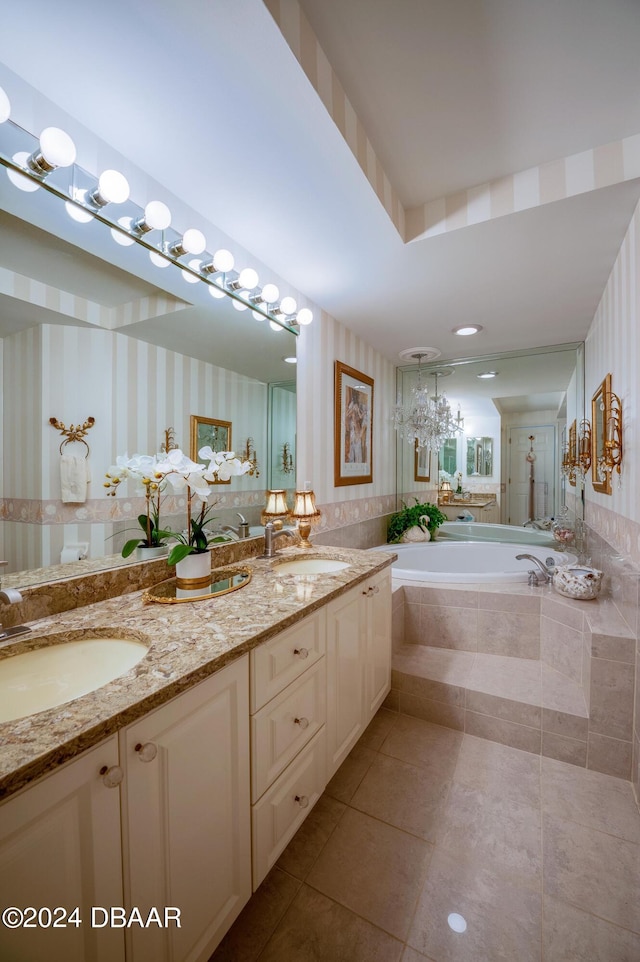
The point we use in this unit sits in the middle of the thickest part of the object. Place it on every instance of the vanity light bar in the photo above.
(55, 150)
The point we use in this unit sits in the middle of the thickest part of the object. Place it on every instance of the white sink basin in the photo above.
(55, 674)
(309, 566)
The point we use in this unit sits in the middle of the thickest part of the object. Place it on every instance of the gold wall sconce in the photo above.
(249, 454)
(286, 465)
(583, 460)
(305, 513)
(606, 440)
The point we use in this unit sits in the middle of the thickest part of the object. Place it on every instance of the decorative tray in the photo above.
(223, 580)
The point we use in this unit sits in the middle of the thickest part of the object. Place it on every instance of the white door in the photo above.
(521, 487)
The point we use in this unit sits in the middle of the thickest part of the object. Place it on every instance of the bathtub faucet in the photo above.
(546, 570)
(533, 524)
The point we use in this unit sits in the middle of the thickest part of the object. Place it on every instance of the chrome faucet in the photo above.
(242, 530)
(533, 524)
(271, 536)
(546, 570)
(11, 596)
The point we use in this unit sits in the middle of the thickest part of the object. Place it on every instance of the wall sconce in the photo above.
(287, 459)
(276, 509)
(249, 454)
(606, 443)
(305, 513)
(583, 461)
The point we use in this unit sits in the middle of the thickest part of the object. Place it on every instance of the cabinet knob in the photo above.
(146, 752)
(303, 652)
(111, 777)
(302, 801)
(374, 589)
(303, 722)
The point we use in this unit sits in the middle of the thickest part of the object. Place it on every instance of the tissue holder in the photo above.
(578, 581)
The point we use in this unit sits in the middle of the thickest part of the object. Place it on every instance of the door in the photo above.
(523, 490)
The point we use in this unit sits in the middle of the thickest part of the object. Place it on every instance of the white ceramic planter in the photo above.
(194, 571)
(143, 553)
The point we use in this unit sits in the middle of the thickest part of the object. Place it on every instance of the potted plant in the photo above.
(424, 516)
(142, 467)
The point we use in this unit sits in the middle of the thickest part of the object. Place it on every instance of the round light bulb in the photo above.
(78, 214)
(239, 306)
(194, 241)
(192, 278)
(257, 315)
(123, 239)
(5, 106)
(21, 181)
(248, 278)
(215, 291)
(113, 187)
(223, 261)
(158, 260)
(270, 293)
(290, 360)
(467, 330)
(305, 316)
(57, 147)
(157, 215)
(275, 326)
(288, 305)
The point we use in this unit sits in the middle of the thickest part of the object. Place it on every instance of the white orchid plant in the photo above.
(155, 473)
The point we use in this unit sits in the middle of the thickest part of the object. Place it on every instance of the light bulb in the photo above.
(192, 278)
(5, 106)
(113, 188)
(248, 278)
(21, 181)
(56, 150)
(258, 316)
(290, 360)
(78, 214)
(305, 316)
(467, 330)
(158, 260)
(127, 224)
(288, 305)
(270, 293)
(275, 326)
(194, 241)
(239, 306)
(215, 291)
(157, 215)
(223, 261)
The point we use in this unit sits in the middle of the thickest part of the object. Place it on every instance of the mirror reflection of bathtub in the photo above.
(509, 533)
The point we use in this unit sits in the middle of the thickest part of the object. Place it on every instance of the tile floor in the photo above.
(540, 858)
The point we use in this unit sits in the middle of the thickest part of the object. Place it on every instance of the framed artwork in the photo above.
(209, 431)
(421, 463)
(353, 428)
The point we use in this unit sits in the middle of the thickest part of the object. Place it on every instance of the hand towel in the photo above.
(74, 478)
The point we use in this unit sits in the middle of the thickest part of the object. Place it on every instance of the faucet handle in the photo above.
(10, 595)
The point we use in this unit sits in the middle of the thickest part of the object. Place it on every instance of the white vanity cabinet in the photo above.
(60, 848)
(185, 804)
(358, 663)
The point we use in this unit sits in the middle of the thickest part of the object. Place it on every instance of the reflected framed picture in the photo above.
(353, 428)
(421, 463)
(209, 431)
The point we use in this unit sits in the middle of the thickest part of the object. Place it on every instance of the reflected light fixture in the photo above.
(467, 329)
(305, 513)
(487, 374)
(157, 216)
(426, 420)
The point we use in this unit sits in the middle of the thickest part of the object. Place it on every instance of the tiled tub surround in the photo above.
(518, 665)
(187, 643)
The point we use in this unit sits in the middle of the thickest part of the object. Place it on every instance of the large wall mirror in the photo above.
(90, 328)
(504, 399)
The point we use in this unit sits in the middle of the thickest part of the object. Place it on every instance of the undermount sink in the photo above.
(54, 674)
(310, 566)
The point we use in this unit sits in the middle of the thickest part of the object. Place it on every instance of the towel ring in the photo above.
(73, 432)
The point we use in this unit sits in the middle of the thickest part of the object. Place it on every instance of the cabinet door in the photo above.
(60, 847)
(187, 816)
(378, 630)
(346, 649)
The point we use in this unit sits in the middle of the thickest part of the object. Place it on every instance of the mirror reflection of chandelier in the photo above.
(426, 419)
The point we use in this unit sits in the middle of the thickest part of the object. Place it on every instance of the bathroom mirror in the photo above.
(600, 414)
(479, 457)
(87, 331)
(448, 456)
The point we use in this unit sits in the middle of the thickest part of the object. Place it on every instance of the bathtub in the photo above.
(505, 533)
(468, 561)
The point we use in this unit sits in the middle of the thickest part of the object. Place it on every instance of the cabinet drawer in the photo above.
(278, 662)
(282, 810)
(284, 726)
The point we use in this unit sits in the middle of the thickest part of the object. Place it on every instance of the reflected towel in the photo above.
(74, 478)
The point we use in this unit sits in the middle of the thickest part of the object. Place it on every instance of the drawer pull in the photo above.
(111, 777)
(146, 752)
(303, 722)
(303, 652)
(302, 801)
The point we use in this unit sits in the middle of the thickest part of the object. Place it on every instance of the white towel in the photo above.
(74, 478)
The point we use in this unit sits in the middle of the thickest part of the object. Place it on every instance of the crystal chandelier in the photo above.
(426, 420)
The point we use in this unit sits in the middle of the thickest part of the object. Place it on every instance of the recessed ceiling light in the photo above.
(290, 360)
(467, 329)
(487, 374)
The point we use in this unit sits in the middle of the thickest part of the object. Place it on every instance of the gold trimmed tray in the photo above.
(223, 580)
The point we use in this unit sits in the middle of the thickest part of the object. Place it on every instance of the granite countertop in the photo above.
(187, 642)
(468, 502)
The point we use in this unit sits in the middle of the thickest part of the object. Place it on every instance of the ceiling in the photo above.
(209, 98)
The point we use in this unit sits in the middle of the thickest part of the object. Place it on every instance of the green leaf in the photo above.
(130, 546)
(178, 552)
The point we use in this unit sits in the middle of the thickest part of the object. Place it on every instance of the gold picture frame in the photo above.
(421, 463)
(353, 427)
(212, 432)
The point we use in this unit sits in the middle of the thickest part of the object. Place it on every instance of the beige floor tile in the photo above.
(497, 769)
(594, 871)
(317, 929)
(305, 846)
(504, 834)
(378, 729)
(403, 795)
(591, 799)
(258, 920)
(411, 955)
(374, 870)
(502, 919)
(570, 935)
(421, 743)
(353, 769)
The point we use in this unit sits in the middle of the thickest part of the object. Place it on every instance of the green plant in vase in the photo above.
(425, 516)
(142, 468)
